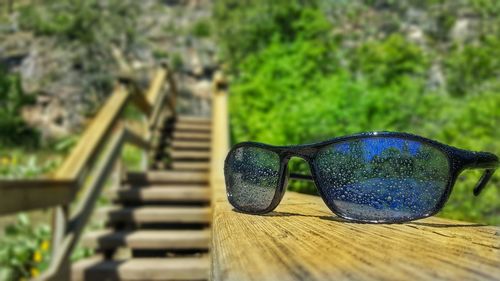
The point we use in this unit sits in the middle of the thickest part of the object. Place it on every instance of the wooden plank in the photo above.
(190, 165)
(164, 214)
(302, 240)
(193, 119)
(194, 127)
(155, 88)
(148, 239)
(191, 135)
(168, 177)
(25, 195)
(162, 194)
(189, 155)
(139, 269)
(94, 136)
(220, 133)
(183, 144)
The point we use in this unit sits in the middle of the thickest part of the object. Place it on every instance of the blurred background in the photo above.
(299, 72)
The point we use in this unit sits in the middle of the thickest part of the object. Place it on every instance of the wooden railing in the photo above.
(88, 165)
(302, 240)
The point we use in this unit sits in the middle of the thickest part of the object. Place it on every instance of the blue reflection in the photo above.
(382, 178)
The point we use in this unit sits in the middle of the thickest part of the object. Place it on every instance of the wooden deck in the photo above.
(302, 240)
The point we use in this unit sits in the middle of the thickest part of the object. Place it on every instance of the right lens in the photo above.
(382, 178)
(252, 177)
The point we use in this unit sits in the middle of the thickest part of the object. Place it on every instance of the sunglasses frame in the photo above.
(458, 159)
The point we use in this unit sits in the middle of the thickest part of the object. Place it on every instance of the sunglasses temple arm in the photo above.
(294, 176)
(483, 181)
(487, 161)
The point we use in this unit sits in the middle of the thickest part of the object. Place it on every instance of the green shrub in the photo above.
(24, 250)
(387, 61)
(85, 21)
(201, 28)
(13, 130)
(245, 27)
(468, 67)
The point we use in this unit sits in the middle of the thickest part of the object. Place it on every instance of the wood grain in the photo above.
(302, 240)
(25, 195)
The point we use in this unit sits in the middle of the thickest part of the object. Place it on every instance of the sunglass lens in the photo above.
(382, 178)
(252, 177)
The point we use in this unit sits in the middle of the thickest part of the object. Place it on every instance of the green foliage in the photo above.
(176, 62)
(471, 65)
(85, 21)
(252, 24)
(24, 250)
(387, 61)
(15, 164)
(132, 157)
(294, 82)
(13, 130)
(201, 28)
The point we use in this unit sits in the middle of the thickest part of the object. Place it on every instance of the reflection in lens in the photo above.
(382, 178)
(251, 178)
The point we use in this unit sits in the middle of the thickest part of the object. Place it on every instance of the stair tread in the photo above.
(178, 135)
(154, 269)
(162, 193)
(190, 165)
(180, 154)
(190, 144)
(156, 214)
(148, 239)
(195, 127)
(169, 176)
(193, 119)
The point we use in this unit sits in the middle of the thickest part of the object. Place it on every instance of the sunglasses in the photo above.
(374, 177)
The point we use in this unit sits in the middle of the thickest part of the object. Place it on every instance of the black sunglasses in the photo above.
(370, 177)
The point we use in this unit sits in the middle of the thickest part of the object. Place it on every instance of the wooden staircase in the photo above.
(158, 227)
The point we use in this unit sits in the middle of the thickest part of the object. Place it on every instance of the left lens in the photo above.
(382, 178)
(252, 178)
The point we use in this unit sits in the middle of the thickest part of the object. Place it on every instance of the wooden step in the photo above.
(139, 269)
(189, 166)
(156, 214)
(191, 135)
(168, 177)
(148, 239)
(184, 144)
(189, 154)
(162, 194)
(193, 119)
(192, 127)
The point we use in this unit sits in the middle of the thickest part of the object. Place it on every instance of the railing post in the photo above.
(220, 132)
(60, 218)
(173, 89)
(219, 148)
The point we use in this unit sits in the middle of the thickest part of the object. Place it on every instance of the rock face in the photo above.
(68, 87)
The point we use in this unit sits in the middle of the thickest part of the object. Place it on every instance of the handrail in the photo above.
(88, 166)
(94, 136)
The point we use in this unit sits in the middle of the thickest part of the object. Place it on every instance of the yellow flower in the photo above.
(45, 245)
(35, 272)
(37, 257)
